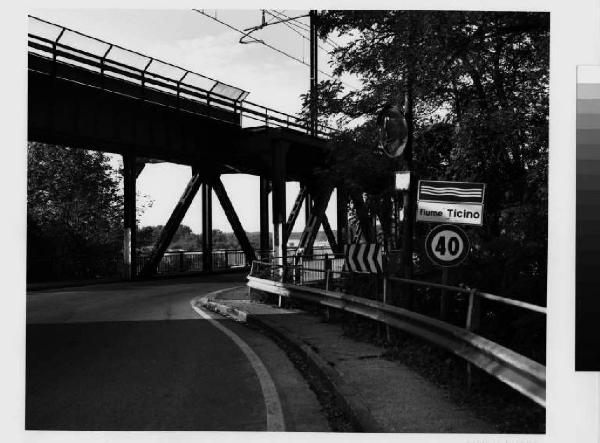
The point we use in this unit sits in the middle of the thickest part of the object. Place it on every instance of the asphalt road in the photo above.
(136, 356)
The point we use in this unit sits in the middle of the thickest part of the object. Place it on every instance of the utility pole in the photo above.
(313, 43)
(410, 195)
(313, 71)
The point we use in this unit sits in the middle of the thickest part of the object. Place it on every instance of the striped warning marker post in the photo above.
(365, 258)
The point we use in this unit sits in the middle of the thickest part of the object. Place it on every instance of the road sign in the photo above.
(447, 245)
(450, 202)
(364, 257)
(402, 180)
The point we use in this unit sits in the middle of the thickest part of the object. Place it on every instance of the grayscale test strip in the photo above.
(587, 337)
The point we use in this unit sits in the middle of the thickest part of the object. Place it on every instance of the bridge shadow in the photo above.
(146, 375)
(167, 280)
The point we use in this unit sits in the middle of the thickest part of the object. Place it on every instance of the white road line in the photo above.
(275, 420)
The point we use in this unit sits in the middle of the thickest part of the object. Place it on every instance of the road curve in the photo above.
(136, 356)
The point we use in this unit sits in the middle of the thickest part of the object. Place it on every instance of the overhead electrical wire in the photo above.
(304, 27)
(290, 26)
(280, 51)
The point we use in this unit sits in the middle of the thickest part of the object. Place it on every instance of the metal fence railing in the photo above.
(96, 266)
(518, 371)
(66, 46)
(192, 261)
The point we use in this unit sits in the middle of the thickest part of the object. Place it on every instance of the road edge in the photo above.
(274, 411)
(352, 402)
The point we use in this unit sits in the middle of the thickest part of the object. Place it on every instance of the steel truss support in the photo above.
(234, 221)
(207, 242)
(129, 218)
(264, 217)
(308, 204)
(335, 247)
(167, 233)
(289, 228)
(321, 200)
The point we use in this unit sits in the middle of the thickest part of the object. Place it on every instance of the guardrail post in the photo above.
(473, 321)
(386, 288)
(327, 267)
(279, 298)
(297, 279)
(181, 261)
(473, 311)
(328, 312)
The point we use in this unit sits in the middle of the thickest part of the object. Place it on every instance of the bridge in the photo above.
(91, 94)
(116, 100)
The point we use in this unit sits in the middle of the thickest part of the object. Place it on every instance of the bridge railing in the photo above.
(518, 371)
(193, 261)
(149, 75)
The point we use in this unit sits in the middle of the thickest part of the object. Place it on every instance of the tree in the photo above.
(74, 206)
(479, 81)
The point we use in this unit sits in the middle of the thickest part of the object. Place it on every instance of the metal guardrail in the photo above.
(116, 62)
(517, 371)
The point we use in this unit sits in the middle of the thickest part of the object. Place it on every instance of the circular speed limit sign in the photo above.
(447, 245)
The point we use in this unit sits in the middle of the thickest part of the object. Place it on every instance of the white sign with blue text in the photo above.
(450, 202)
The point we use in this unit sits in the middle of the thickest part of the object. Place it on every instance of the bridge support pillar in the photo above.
(264, 218)
(207, 241)
(129, 218)
(279, 154)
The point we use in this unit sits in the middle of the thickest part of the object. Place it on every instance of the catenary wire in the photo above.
(280, 51)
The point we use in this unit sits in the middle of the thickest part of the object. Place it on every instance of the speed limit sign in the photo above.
(447, 245)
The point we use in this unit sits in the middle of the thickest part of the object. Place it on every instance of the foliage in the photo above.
(479, 81)
(74, 207)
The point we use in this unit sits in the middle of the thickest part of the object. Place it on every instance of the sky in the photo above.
(197, 43)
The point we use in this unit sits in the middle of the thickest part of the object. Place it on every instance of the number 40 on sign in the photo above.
(447, 245)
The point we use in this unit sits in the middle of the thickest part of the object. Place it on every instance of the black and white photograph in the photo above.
(238, 221)
(351, 235)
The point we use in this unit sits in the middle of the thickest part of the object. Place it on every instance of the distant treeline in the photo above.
(188, 240)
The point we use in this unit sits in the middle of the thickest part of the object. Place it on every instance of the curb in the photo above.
(346, 394)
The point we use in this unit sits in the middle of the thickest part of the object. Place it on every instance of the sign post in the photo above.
(446, 246)
(451, 203)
